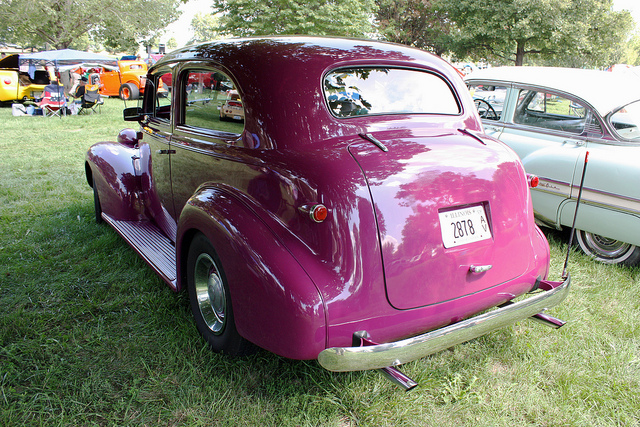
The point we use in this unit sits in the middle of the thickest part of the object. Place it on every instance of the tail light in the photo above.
(317, 212)
(533, 180)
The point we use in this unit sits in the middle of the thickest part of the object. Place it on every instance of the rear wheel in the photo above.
(129, 91)
(606, 250)
(210, 300)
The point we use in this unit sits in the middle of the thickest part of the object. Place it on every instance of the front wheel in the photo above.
(210, 300)
(606, 250)
(96, 203)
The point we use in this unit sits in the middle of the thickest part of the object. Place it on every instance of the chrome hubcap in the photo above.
(607, 248)
(210, 293)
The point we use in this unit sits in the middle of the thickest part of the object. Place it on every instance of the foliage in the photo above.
(90, 336)
(171, 44)
(205, 27)
(415, 23)
(116, 24)
(313, 17)
(632, 51)
(561, 32)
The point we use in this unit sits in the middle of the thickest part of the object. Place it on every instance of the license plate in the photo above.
(462, 226)
(237, 118)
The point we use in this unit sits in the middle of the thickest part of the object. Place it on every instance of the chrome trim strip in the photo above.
(343, 359)
(610, 200)
(547, 185)
(589, 195)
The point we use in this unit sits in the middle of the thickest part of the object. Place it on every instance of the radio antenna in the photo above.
(575, 215)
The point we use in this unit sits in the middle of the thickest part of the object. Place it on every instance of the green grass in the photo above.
(89, 336)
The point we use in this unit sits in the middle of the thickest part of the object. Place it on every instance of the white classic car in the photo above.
(551, 117)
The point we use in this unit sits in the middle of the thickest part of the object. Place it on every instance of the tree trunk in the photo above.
(520, 53)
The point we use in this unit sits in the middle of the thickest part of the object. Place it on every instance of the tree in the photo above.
(313, 17)
(415, 23)
(117, 24)
(172, 43)
(561, 32)
(205, 27)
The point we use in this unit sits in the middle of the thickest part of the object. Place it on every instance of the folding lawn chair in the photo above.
(53, 102)
(91, 100)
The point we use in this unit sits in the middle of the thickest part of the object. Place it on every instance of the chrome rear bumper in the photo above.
(342, 359)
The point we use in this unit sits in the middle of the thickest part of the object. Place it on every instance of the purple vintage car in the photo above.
(353, 212)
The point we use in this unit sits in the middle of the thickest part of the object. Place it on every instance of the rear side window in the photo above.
(353, 92)
(550, 111)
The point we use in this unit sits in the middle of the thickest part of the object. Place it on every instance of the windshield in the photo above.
(626, 121)
(360, 91)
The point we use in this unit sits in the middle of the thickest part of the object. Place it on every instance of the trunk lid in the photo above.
(445, 203)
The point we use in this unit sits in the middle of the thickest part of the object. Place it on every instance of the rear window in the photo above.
(356, 92)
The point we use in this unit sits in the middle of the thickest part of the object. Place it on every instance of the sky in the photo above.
(632, 6)
(180, 29)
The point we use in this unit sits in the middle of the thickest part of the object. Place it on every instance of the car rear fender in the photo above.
(115, 171)
(276, 305)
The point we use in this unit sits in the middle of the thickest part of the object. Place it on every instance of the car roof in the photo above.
(605, 91)
(309, 51)
(280, 77)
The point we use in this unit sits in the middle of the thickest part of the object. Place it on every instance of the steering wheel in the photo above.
(485, 110)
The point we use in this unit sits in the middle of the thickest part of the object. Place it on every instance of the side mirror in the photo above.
(132, 114)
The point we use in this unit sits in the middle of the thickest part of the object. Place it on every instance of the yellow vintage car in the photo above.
(16, 85)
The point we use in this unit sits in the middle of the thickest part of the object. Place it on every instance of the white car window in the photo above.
(550, 111)
(626, 121)
(489, 100)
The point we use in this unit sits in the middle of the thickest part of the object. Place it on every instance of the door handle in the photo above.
(166, 152)
(578, 142)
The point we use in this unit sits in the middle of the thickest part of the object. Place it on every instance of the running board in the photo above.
(148, 241)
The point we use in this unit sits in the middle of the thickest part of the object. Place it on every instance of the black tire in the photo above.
(606, 250)
(129, 91)
(96, 203)
(210, 300)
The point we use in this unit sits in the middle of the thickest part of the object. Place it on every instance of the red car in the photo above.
(357, 215)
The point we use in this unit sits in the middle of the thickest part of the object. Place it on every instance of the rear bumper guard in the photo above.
(376, 356)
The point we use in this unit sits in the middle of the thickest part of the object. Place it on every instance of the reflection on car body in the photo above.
(358, 217)
(552, 117)
(232, 107)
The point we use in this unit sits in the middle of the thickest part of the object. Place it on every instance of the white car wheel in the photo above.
(606, 250)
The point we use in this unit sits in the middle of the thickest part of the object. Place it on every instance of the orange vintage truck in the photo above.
(127, 81)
